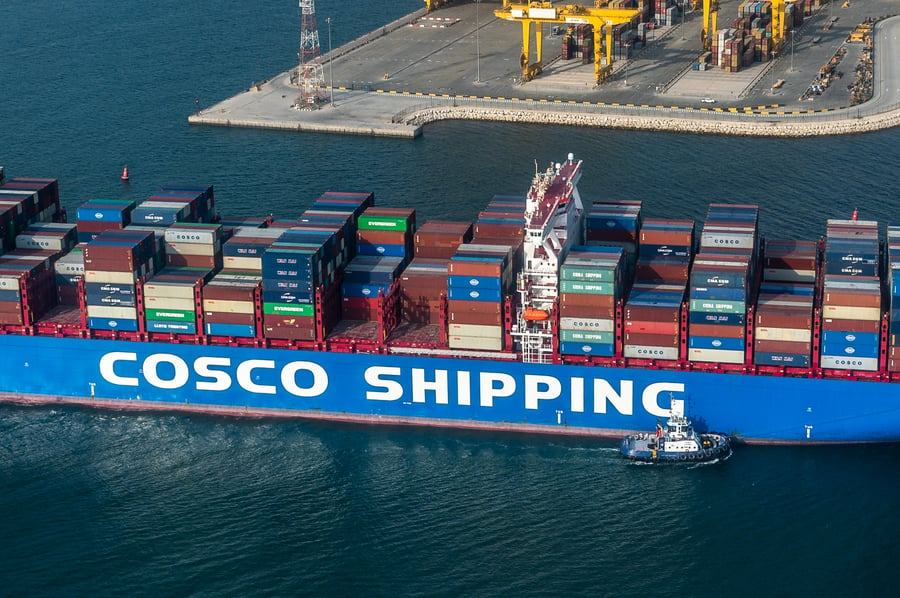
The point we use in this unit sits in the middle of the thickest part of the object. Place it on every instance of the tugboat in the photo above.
(675, 442)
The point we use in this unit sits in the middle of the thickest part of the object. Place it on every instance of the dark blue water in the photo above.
(113, 504)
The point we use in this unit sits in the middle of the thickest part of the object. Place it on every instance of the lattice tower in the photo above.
(310, 74)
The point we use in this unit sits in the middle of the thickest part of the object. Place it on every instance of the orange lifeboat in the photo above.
(535, 315)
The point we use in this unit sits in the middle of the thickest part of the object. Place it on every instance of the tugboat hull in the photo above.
(644, 448)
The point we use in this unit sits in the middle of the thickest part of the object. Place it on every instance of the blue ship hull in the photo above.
(441, 391)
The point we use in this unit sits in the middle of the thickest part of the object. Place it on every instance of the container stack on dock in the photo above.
(114, 263)
(479, 277)
(784, 310)
(653, 309)
(721, 284)
(665, 12)
(851, 297)
(590, 289)
(578, 42)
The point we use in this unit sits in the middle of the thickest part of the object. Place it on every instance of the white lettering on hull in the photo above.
(306, 379)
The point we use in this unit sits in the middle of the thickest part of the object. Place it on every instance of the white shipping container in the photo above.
(9, 282)
(244, 264)
(843, 362)
(42, 241)
(191, 236)
(743, 241)
(169, 303)
(715, 355)
(587, 324)
(476, 330)
(172, 290)
(847, 312)
(228, 307)
(797, 335)
(115, 312)
(650, 352)
(105, 276)
(476, 343)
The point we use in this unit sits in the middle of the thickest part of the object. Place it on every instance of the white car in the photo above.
(708, 101)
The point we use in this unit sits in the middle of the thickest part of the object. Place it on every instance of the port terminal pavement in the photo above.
(461, 62)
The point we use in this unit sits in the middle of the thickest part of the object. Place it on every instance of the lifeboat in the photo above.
(535, 315)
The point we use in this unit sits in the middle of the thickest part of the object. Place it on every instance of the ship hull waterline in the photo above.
(438, 391)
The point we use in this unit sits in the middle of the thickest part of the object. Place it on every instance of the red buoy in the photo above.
(125, 173)
(855, 215)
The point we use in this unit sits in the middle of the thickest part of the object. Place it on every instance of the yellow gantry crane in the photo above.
(710, 21)
(538, 13)
(434, 4)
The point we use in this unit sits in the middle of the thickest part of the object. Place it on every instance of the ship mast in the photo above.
(554, 222)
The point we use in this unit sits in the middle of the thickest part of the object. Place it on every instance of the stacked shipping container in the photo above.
(590, 290)
(479, 278)
(784, 310)
(722, 284)
(114, 263)
(851, 296)
(653, 310)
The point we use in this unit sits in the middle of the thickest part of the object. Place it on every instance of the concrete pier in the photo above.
(397, 79)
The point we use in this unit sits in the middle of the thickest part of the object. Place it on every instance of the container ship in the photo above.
(547, 314)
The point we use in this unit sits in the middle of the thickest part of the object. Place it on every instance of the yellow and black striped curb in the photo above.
(772, 109)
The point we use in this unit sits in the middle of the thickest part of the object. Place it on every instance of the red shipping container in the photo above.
(651, 340)
(579, 299)
(649, 327)
(217, 317)
(651, 313)
(474, 317)
(770, 346)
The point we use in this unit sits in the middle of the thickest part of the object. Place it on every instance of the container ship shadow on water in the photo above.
(548, 314)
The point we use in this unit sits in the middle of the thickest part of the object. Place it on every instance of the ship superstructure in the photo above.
(554, 222)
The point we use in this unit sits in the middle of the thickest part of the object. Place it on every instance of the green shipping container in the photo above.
(719, 307)
(289, 309)
(588, 288)
(580, 336)
(381, 223)
(171, 315)
(586, 273)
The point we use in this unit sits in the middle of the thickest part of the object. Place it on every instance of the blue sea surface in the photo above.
(108, 503)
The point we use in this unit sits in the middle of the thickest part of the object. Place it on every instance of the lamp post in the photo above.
(683, 7)
(792, 50)
(477, 45)
(330, 62)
